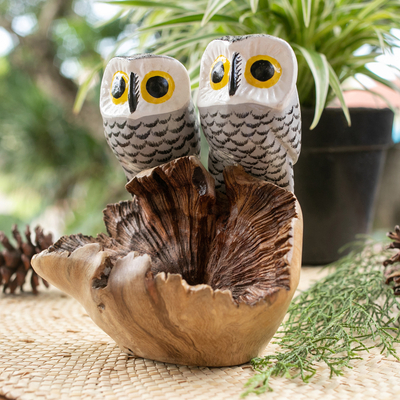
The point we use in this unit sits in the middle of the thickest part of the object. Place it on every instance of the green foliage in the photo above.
(319, 67)
(324, 34)
(46, 159)
(73, 37)
(334, 322)
(51, 160)
(36, 136)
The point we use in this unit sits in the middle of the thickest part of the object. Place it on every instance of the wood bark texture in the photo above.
(185, 274)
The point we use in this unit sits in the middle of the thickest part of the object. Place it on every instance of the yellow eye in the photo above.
(157, 87)
(219, 73)
(262, 71)
(119, 87)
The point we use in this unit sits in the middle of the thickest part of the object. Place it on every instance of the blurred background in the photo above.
(55, 166)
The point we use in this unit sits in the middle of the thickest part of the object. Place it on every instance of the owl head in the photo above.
(259, 69)
(143, 85)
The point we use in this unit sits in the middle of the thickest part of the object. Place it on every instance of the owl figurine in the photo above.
(249, 107)
(148, 115)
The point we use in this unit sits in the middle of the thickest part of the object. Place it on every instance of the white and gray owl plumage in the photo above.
(148, 115)
(249, 107)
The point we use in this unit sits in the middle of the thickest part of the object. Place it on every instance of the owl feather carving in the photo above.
(249, 107)
(148, 115)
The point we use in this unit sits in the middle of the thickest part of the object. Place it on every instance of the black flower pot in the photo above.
(337, 176)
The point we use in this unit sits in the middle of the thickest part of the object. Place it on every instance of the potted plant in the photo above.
(325, 36)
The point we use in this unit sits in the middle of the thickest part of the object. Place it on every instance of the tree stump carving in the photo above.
(187, 275)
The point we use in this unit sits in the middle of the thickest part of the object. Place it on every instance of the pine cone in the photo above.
(15, 261)
(393, 273)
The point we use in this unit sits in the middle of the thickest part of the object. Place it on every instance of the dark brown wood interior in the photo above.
(237, 242)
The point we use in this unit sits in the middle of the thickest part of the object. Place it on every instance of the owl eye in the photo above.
(119, 87)
(219, 73)
(262, 71)
(157, 87)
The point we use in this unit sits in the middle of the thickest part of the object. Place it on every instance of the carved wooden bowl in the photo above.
(185, 274)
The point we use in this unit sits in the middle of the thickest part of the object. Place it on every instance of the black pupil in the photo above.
(157, 86)
(118, 87)
(218, 72)
(262, 70)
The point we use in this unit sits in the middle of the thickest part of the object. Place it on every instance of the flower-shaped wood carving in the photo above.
(185, 274)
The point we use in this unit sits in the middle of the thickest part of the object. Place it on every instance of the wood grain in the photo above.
(185, 274)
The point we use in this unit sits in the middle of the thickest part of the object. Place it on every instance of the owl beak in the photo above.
(133, 92)
(234, 79)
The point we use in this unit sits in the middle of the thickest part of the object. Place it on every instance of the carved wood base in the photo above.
(187, 275)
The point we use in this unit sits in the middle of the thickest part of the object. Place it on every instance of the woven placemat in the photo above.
(50, 349)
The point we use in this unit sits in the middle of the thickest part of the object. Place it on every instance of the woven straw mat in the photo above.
(51, 349)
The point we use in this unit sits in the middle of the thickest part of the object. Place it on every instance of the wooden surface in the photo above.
(241, 254)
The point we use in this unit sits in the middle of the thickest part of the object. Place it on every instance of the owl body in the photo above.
(149, 141)
(148, 115)
(248, 121)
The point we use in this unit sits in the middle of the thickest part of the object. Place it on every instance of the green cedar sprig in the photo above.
(334, 321)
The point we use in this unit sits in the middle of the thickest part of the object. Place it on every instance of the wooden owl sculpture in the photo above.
(147, 111)
(249, 107)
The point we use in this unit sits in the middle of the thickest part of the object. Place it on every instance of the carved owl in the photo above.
(249, 107)
(147, 111)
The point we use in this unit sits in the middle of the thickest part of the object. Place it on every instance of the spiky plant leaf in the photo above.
(147, 4)
(254, 6)
(320, 69)
(335, 85)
